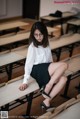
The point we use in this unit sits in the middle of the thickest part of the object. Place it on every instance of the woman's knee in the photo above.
(54, 66)
(65, 65)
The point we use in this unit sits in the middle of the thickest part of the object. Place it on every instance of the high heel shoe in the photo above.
(47, 108)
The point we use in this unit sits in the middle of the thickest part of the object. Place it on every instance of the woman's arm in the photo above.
(28, 67)
(29, 63)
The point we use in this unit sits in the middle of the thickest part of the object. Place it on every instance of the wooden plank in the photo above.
(45, 116)
(74, 22)
(64, 15)
(4, 52)
(10, 57)
(67, 14)
(10, 25)
(49, 18)
(68, 109)
(14, 38)
(21, 54)
(70, 113)
(2, 84)
(61, 108)
(52, 29)
(20, 37)
(21, 51)
(7, 92)
(74, 64)
(63, 41)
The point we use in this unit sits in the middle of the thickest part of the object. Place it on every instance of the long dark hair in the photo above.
(42, 28)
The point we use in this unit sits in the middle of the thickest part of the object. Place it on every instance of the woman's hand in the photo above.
(23, 87)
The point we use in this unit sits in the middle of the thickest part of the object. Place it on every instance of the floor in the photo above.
(36, 109)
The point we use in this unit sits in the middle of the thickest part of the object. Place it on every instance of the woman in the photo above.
(39, 64)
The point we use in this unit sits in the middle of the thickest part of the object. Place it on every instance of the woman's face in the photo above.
(38, 35)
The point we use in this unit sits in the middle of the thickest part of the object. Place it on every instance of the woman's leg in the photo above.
(56, 89)
(56, 70)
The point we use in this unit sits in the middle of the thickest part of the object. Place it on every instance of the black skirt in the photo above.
(41, 74)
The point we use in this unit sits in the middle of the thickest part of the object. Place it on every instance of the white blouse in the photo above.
(36, 55)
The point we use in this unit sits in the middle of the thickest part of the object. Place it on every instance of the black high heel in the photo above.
(43, 106)
(47, 108)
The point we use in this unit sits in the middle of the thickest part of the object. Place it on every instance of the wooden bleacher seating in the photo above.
(64, 41)
(72, 72)
(10, 25)
(10, 92)
(64, 15)
(69, 109)
(14, 38)
(54, 44)
(53, 20)
(16, 82)
(75, 23)
(52, 30)
(20, 53)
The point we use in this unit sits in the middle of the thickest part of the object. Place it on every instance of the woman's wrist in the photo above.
(25, 80)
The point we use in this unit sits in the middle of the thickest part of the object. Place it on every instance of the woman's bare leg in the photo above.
(56, 89)
(56, 70)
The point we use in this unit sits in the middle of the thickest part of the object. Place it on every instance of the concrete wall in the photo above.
(13, 8)
(48, 6)
(10, 8)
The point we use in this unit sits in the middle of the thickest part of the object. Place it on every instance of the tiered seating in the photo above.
(9, 57)
(11, 27)
(69, 109)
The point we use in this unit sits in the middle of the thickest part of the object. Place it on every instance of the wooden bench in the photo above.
(10, 92)
(20, 37)
(69, 109)
(68, 41)
(51, 20)
(64, 15)
(72, 72)
(32, 86)
(4, 27)
(51, 30)
(75, 23)
(19, 54)
(55, 44)
(8, 59)
(14, 38)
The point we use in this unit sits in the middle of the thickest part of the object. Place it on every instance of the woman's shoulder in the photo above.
(31, 46)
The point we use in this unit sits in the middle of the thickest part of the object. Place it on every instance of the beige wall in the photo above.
(13, 8)
(48, 6)
(10, 8)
